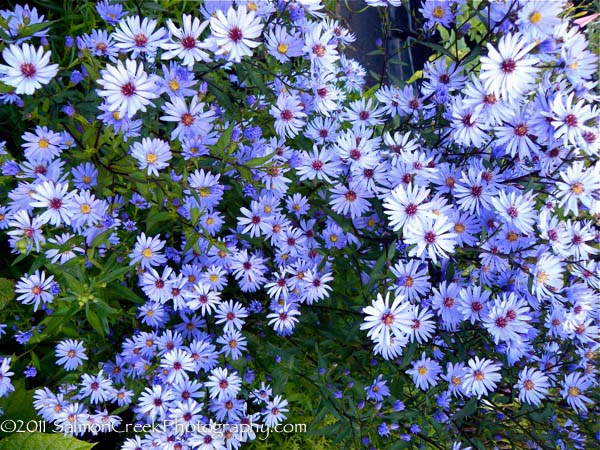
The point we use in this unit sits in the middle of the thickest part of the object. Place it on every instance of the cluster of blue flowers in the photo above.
(479, 182)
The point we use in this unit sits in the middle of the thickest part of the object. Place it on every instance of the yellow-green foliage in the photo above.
(7, 292)
(296, 441)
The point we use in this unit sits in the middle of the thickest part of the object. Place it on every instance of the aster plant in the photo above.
(211, 214)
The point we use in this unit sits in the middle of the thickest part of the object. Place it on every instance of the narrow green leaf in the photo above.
(377, 271)
(114, 274)
(469, 408)
(255, 162)
(7, 292)
(258, 82)
(195, 215)
(223, 99)
(223, 142)
(94, 321)
(43, 441)
(30, 30)
(438, 48)
(5, 88)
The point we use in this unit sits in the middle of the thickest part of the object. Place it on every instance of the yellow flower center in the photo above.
(422, 370)
(542, 277)
(438, 12)
(187, 119)
(116, 115)
(459, 228)
(43, 143)
(573, 65)
(147, 253)
(409, 282)
(87, 179)
(528, 385)
(512, 236)
(333, 238)
(251, 6)
(267, 209)
(151, 158)
(478, 375)
(370, 223)
(577, 188)
(282, 48)
(214, 278)
(204, 192)
(573, 391)
(456, 381)
(174, 85)
(535, 17)
(210, 221)
(85, 208)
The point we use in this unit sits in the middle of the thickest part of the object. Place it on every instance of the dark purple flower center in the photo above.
(128, 89)
(508, 66)
(235, 34)
(28, 70)
(188, 42)
(55, 203)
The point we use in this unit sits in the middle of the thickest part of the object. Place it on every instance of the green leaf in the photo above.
(258, 82)
(469, 408)
(160, 196)
(223, 142)
(195, 215)
(245, 173)
(35, 27)
(94, 321)
(155, 218)
(35, 361)
(438, 48)
(7, 292)
(114, 274)
(3, 34)
(255, 162)
(6, 88)
(122, 292)
(154, 6)
(72, 282)
(18, 406)
(222, 97)
(43, 441)
(101, 238)
(377, 271)
(56, 321)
